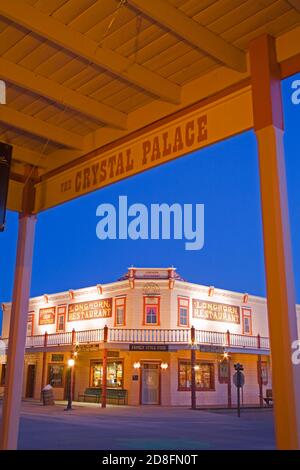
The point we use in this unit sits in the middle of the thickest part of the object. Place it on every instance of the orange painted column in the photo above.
(44, 368)
(268, 124)
(104, 369)
(193, 370)
(18, 322)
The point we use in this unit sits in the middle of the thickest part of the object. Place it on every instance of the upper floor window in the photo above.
(247, 321)
(61, 318)
(183, 311)
(30, 324)
(151, 310)
(120, 311)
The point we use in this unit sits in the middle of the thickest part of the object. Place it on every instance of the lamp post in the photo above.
(71, 363)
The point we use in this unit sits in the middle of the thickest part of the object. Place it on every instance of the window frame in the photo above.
(30, 319)
(60, 314)
(211, 364)
(62, 364)
(157, 305)
(247, 313)
(100, 361)
(186, 299)
(123, 297)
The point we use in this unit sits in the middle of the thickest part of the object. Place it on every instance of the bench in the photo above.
(268, 399)
(113, 395)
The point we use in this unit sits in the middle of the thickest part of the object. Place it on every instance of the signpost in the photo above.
(239, 381)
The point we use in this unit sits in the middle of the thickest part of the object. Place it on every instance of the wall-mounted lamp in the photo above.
(136, 365)
(164, 365)
(71, 362)
(196, 367)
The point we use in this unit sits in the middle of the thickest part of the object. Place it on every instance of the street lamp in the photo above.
(71, 363)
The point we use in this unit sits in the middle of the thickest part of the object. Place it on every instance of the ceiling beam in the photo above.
(60, 94)
(81, 45)
(197, 35)
(39, 128)
(295, 4)
(27, 156)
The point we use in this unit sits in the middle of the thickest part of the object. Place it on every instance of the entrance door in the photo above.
(30, 381)
(150, 384)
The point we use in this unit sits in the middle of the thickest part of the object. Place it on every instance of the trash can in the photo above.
(47, 395)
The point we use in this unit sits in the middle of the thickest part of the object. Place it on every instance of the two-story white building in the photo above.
(146, 324)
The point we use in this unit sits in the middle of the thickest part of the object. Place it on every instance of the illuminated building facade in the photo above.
(144, 327)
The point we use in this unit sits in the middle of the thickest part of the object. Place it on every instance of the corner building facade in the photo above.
(144, 326)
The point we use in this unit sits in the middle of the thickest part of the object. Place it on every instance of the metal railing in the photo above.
(146, 335)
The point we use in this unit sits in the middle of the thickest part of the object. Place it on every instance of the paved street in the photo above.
(90, 427)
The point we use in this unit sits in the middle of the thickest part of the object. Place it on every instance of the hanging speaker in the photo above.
(5, 161)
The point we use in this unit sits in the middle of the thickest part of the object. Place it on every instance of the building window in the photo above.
(262, 372)
(120, 311)
(247, 321)
(3, 374)
(204, 373)
(114, 374)
(56, 375)
(30, 323)
(61, 319)
(183, 311)
(151, 310)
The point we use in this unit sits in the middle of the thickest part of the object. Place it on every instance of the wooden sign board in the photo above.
(178, 136)
(148, 347)
(47, 316)
(101, 308)
(215, 311)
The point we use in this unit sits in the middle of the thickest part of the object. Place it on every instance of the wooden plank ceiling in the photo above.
(83, 73)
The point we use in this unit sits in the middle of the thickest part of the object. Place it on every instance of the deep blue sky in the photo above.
(224, 177)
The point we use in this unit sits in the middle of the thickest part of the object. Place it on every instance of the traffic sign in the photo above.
(239, 379)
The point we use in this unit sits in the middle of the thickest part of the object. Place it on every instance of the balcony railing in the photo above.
(155, 336)
(119, 335)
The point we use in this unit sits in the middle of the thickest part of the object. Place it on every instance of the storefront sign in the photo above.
(57, 358)
(90, 310)
(175, 137)
(47, 316)
(211, 349)
(153, 274)
(113, 353)
(148, 347)
(214, 311)
(89, 348)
